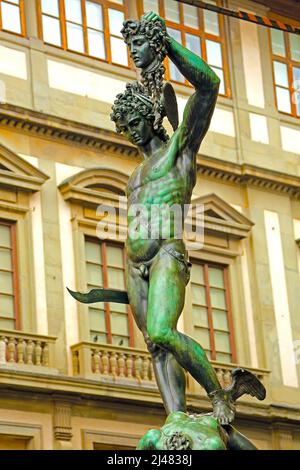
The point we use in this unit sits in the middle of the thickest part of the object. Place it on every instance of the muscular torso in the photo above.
(163, 180)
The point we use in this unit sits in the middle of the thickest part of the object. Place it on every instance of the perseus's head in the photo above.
(133, 114)
(147, 41)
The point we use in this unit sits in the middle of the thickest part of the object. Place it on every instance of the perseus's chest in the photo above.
(152, 170)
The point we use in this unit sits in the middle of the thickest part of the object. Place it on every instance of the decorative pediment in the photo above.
(95, 186)
(221, 218)
(17, 173)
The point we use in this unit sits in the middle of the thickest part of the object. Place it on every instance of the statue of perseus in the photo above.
(158, 269)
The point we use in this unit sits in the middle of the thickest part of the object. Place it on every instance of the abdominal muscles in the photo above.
(155, 214)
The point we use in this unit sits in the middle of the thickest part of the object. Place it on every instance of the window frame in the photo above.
(15, 276)
(203, 37)
(290, 63)
(22, 18)
(211, 329)
(106, 4)
(103, 245)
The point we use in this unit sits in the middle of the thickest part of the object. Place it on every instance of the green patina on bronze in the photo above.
(157, 269)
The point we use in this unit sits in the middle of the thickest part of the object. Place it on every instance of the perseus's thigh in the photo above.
(167, 284)
(137, 290)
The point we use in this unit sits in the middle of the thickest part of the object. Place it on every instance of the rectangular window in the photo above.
(89, 27)
(12, 17)
(200, 31)
(9, 318)
(286, 71)
(110, 323)
(212, 320)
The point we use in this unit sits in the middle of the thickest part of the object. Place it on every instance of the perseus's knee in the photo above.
(160, 336)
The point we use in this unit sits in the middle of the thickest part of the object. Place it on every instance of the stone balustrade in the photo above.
(112, 363)
(23, 350)
(118, 364)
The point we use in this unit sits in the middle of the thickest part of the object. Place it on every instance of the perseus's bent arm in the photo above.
(200, 106)
(193, 68)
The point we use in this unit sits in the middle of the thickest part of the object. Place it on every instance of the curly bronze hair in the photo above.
(135, 99)
(158, 39)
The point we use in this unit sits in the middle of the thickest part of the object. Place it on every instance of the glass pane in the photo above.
(214, 53)
(73, 11)
(75, 37)
(119, 323)
(175, 33)
(200, 316)
(296, 78)
(119, 2)
(281, 74)
(222, 342)
(283, 100)
(115, 278)
(51, 31)
(116, 19)
(217, 298)
(174, 72)
(221, 357)
(211, 22)
(115, 256)
(5, 259)
(50, 7)
(120, 308)
(97, 320)
(94, 17)
(96, 44)
(297, 102)
(215, 276)
(190, 14)
(5, 236)
(17, 2)
(7, 324)
(6, 306)
(295, 46)
(278, 44)
(220, 321)
(11, 18)
(120, 341)
(193, 43)
(198, 295)
(172, 11)
(220, 74)
(151, 5)
(6, 283)
(97, 337)
(197, 274)
(208, 354)
(118, 51)
(93, 252)
(202, 337)
(94, 275)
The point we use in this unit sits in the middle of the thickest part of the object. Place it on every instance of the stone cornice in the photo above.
(249, 175)
(52, 127)
(76, 390)
(75, 133)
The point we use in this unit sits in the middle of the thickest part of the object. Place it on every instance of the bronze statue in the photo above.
(157, 267)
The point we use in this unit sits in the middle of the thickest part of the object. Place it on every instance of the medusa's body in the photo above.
(200, 432)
